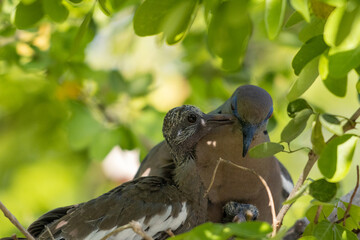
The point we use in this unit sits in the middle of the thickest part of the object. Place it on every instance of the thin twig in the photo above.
(213, 177)
(135, 226)
(342, 219)
(352, 196)
(50, 233)
(170, 233)
(310, 163)
(268, 191)
(14, 221)
(14, 237)
(117, 230)
(318, 211)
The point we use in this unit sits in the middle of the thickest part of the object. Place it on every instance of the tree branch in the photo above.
(352, 196)
(14, 221)
(350, 124)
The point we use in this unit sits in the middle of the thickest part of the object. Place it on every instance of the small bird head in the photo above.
(184, 126)
(252, 106)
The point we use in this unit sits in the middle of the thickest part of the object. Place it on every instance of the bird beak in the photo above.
(210, 120)
(248, 134)
(247, 129)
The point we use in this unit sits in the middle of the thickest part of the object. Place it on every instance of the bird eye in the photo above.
(232, 107)
(192, 118)
(270, 114)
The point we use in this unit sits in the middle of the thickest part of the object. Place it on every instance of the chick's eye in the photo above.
(192, 118)
(232, 107)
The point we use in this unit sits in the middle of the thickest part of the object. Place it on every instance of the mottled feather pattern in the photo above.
(150, 195)
(176, 119)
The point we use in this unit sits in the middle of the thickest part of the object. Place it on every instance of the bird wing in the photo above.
(286, 180)
(158, 160)
(37, 227)
(152, 201)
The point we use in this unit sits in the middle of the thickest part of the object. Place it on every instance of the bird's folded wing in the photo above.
(158, 162)
(152, 201)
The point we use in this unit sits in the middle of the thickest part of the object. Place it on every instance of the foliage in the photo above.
(59, 109)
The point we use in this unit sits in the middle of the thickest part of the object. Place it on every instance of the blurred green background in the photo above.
(66, 102)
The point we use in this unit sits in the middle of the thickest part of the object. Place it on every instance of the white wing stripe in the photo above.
(158, 223)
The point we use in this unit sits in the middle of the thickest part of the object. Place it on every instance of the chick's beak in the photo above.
(212, 120)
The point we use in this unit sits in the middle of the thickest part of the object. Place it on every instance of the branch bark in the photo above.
(135, 226)
(350, 124)
(14, 221)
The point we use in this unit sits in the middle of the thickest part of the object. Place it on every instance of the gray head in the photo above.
(252, 106)
(184, 126)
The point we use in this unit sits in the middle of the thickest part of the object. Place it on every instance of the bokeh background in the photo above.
(72, 130)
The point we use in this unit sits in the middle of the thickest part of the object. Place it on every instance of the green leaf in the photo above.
(265, 150)
(341, 233)
(297, 195)
(274, 16)
(178, 20)
(296, 126)
(149, 17)
(302, 6)
(104, 8)
(323, 190)
(296, 106)
(323, 230)
(324, 214)
(209, 7)
(81, 32)
(213, 231)
(335, 3)
(305, 80)
(312, 29)
(308, 238)
(311, 49)
(308, 232)
(294, 19)
(332, 26)
(140, 85)
(249, 229)
(55, 10)
(343, 27)
(336, 158)
(206, 231)
(27, 2)
(82, 127)
(336, 86)
(341, 62)
(331, 123)
(324, 65)
(27, 15)
(127, 138)
(317, 138)
(351, 222)
(229, 32)
(102, 144)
